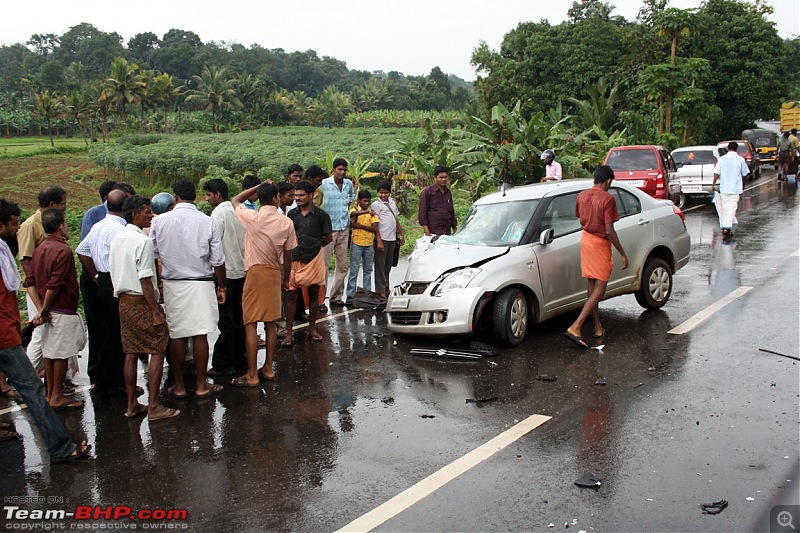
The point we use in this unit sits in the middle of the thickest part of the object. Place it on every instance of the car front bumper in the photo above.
(422, 314)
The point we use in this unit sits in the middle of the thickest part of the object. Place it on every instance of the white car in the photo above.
(515, 261)
(695, 170)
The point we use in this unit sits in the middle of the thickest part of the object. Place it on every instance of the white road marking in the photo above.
(795, 254)
(759, 184)
(438, 479)
(706, 313)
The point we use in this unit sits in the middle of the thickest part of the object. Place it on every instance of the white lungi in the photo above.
(34, 349)
(191, 308)
(726, 209)
(63, 336)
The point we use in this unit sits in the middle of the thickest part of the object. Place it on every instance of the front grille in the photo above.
(406, 318)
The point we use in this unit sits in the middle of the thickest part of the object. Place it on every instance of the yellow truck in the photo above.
(790, 115)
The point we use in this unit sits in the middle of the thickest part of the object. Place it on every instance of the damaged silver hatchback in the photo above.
(515, 261)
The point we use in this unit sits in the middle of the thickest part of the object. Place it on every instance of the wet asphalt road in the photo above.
(354, 421)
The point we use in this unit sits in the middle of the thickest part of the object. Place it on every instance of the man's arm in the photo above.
(377, 232)
(242, 196)
(88, 266)
(714, 183)
(327, 239)
(612, 236)
(219, 275)
(150, 297)
(287, 270)
(422, 212)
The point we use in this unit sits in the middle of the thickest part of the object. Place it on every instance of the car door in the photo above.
(635, 229)
(560, 261)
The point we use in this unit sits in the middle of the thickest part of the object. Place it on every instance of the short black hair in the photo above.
(294, 167)
(603, 173)
(304, 186)
(384, 184)
(315, 171)
(438, 169)
(124, 186)
(339, 162)
(106, 188)
(217, 185)
(284, 187)
(266, 193)
(8, 210)
(133, 204)
(249, 181)
(364, 193)
(52, 194)
(733, 146)
(185, 190)
(51, 220)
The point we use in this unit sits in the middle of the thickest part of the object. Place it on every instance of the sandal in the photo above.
(12, 394)
(337, 303)
(315, 337)
(242, 383)
(322, 308)
(79, 453)
(213, 391)
(287, 342)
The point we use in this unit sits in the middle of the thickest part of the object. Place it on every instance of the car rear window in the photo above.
(695, 157)
(644, 159)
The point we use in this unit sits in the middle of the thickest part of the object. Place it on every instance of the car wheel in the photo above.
(680, 200)
(510, 316)
(656, 285)
(758, 171)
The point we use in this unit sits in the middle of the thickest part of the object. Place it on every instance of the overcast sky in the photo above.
(410, 36)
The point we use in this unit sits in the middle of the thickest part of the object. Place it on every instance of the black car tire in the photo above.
(656, 286)
(680, 200)
(510, 316)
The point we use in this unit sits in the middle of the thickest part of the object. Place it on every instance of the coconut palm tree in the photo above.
(215, 92)
(78, 107)
(124, 87)
(49, 106)
(163, 92)
(674, 22)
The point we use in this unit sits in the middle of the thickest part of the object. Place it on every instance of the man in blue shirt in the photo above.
(729, 171)
(338, 194)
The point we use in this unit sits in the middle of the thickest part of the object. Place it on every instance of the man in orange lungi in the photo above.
(597, 211)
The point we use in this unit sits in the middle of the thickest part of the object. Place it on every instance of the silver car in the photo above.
(515, 261)
(695, 171)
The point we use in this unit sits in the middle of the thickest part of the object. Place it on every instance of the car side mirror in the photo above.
(678, 165)
(546, 237)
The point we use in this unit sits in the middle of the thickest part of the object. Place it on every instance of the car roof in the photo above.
(538, 191)
(638, 147)
(695, 148)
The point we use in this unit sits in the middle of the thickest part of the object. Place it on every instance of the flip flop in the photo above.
(69, 405)
(265, 377)
(171, 392)
(577, 340)
(599, 336)
(316, 337)
(322, 308)
(76, 455)
(287, 343)
(241, 382)
(12, 394)
(140, 410)
(213, 391)
(337, 303)
(169, 413)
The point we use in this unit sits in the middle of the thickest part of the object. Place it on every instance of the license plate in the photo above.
(634, 183)
(399, 303)
(692, 188)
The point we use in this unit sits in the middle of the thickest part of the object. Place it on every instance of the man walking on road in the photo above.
(436, 213)
(190, 248)
(729, 171)
(597, 211)
(338, 195)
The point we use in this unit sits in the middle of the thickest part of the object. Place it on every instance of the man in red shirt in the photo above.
(14, 361)
(597, 211)
(436, 213)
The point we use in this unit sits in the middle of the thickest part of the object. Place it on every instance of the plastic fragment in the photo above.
(599, 347)
(546, 377)
(551, 525)
(750, 498)
(600, 382)
(589, 480)
(714, 508)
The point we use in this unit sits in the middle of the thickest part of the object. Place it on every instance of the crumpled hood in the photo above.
(429, 264)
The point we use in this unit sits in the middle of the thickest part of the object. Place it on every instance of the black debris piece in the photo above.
(600, 382)
(714, 508)
(427, 416)
(483, 349)
(546, 377)
(781, 354)
(589, 480)
(637, 386)
(481, 400)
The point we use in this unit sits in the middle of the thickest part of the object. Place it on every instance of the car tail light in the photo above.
(660, 181)
(748, 157)
(680, 214)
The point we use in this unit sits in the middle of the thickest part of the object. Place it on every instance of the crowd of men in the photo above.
(157, 278)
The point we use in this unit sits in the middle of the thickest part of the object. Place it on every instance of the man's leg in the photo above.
(352, 279)
(34, 349)
(291, 308)
(272, 345)
(280, 324)
(313, 312)
(57, 397)
(367, 258)
(327, 253)
(89, 292)
(20, 373)
(239, 350)
(134, 407)
(251, 342)
(155, 371)
(200, 352)
(381, 277)
(340, 251)
(177, 361)
(596, 290)
(48, 378)
(222, 360)
(111, 357)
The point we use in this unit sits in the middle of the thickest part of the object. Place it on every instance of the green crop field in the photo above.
(24, 146)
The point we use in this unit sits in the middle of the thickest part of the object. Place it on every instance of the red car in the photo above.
(647, 167)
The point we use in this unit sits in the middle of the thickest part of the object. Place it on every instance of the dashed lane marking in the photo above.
(430, 484)
(709, 311)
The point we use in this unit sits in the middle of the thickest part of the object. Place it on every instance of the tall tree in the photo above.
(673, 23)
(124, 87)
(49, 107)
(215, 92)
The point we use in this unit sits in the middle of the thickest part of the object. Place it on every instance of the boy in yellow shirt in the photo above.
(364, 223)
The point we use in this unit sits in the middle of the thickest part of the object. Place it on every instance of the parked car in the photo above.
(648, 167)
(515, 262)
(765, 143)
(748, 151)
(695, 171)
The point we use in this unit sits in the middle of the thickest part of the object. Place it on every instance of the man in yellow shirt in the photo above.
(364, 223)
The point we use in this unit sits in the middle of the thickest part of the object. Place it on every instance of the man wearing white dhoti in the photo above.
(189, 245)
(729, 171)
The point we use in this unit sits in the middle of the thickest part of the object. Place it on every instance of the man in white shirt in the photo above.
(189, 245)
(93, 255)
(552, 167)
(729, 171)
(229, 356)
(143, 325)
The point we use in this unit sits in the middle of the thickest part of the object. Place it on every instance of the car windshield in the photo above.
(501, 224)
(633, 160)
(694, 157)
